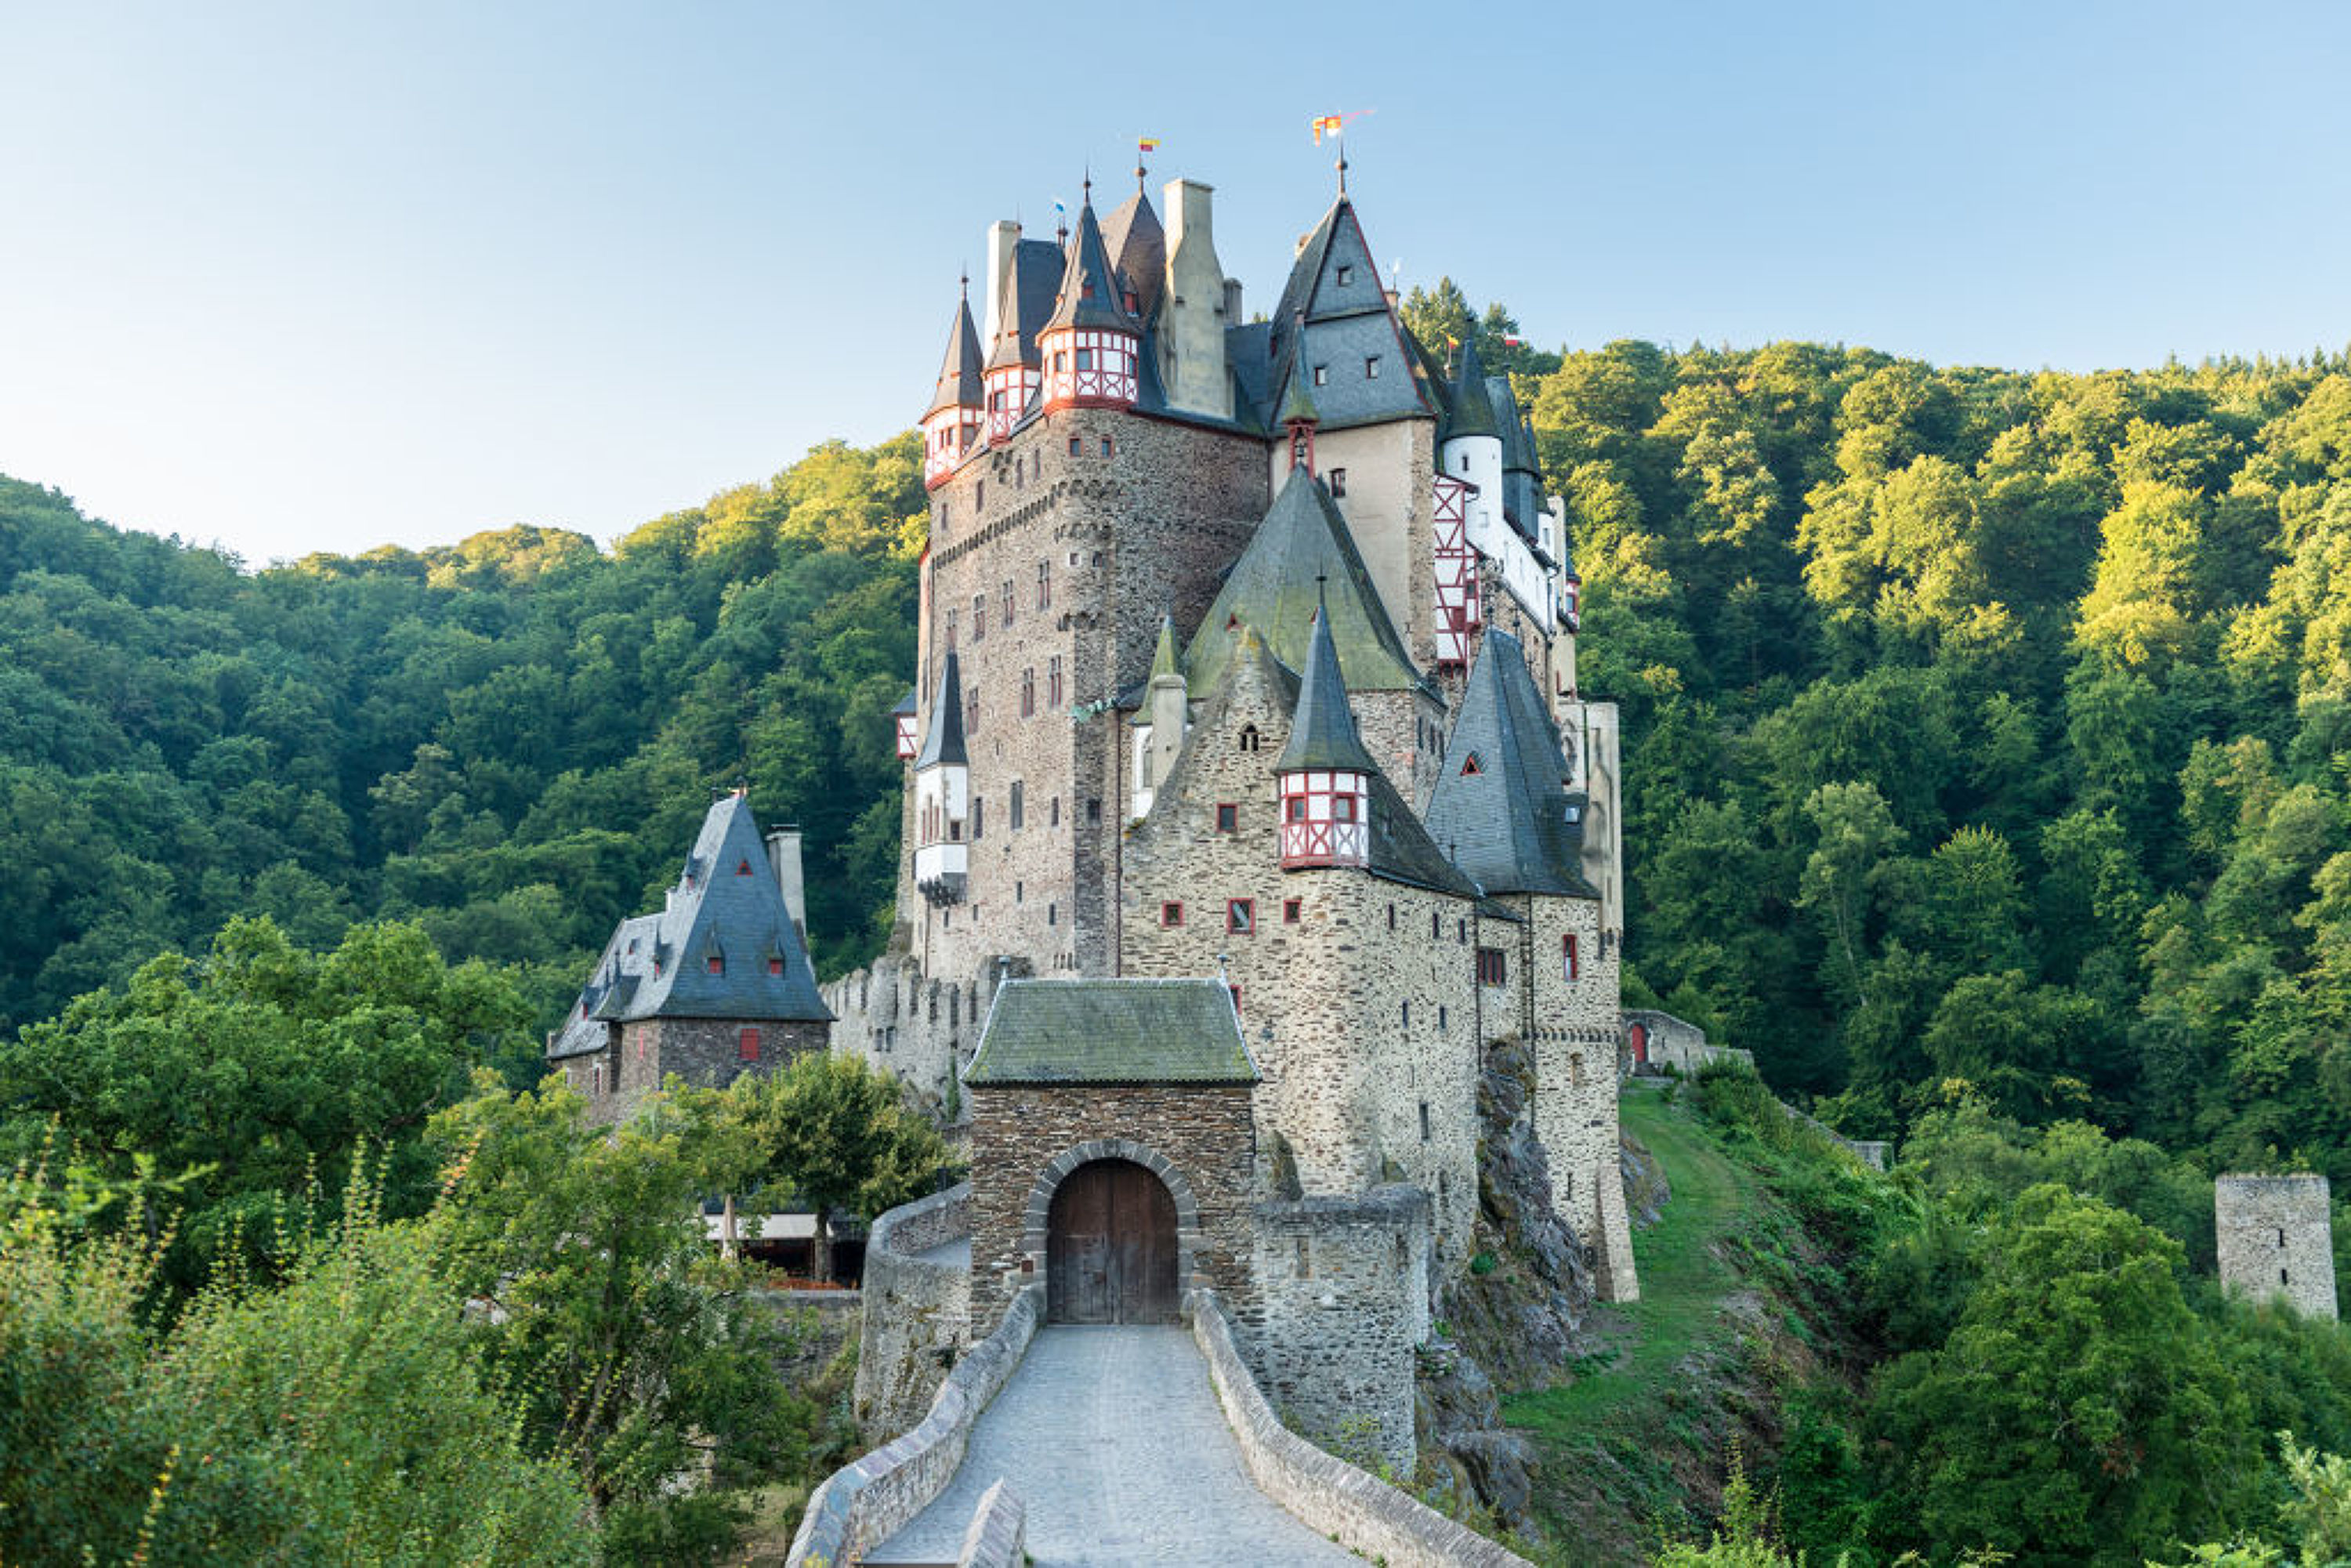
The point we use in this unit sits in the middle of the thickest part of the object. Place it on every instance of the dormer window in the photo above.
(742, 868)
(717, 965)
(1372, 368)
(1471, 767)
(1322, 375)
(775, 965)
(1346, 276)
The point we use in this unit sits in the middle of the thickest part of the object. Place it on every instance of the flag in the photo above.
(1515, 342)
(1146, 144)
(1325, 125)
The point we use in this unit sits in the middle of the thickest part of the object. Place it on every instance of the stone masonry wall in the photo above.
(1342, 1300)
(916, 1317)
(1360, 1011)
(1120, 536)
(1201, 1133)
(919, 1028)
(2276, 1239)
(1575, 1040)
(705, 1051)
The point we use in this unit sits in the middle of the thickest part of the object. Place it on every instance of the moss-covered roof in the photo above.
(1112, 1032)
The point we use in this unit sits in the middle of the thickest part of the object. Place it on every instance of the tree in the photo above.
(642, 1356)
(2077, 1413)
(832, 1132)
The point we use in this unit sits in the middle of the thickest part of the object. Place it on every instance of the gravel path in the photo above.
(1114, 1438)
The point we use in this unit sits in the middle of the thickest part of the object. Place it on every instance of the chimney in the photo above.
(1002, 236)
(784, 860)
(1232, 301)
(1197, 299)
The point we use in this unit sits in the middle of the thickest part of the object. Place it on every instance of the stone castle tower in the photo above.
(2276, 1239)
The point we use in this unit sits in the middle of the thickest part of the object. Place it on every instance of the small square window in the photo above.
(717, 965)
(1372, 368)
(1290, 910)
(1171, 913)
(1346, 276)
(775, 965)
(1241, 915)
(1227, 818)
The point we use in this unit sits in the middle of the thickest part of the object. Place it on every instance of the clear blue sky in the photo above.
(299, 275)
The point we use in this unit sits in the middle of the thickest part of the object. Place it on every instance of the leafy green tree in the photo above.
(2077, 1413)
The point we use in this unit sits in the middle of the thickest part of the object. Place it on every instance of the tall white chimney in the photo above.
(784, 860)
(1002, 236)
(1196, 299)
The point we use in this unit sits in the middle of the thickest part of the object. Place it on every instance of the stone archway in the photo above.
(1038, 1221)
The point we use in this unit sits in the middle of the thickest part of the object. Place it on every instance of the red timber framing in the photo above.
(949, 436)
(1089, 367)
(1009, 391)
(1457, 608)
(1323, 818)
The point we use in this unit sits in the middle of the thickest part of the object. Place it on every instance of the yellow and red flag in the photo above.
(1332, 125)
(1146, 144)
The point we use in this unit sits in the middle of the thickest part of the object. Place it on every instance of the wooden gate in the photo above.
(1110, 1247)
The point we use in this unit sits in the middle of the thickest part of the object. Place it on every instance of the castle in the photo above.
(1247, 663)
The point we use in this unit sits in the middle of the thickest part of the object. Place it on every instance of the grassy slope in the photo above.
(1632, 1448)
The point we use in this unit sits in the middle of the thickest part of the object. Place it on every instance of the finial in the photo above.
(1342, 176)
(965, 283)
(1090, 184)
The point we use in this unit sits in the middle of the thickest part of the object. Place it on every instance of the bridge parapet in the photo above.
(916, 1311)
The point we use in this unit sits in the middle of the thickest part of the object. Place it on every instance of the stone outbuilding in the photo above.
(2276, 1239)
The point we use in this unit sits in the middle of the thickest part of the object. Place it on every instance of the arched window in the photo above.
(1249, 737)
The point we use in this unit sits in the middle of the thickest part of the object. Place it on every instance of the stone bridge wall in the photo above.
(916, 1314)
(867, 1501)
(1330, 1495)
(1341, 1299)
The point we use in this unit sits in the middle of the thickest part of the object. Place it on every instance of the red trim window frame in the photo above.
(1237, 996)
(1291, 910)
(746, 1045)
(715, 965)
(1240, 917)
(1171, 912)
(1571, 962)
(1228, 817)
(775, 965)
(1493, 969)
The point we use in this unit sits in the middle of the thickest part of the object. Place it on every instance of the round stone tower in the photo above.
(2276, 1239)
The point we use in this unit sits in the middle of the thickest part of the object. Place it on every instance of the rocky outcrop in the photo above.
(1646, 1191)
(1511, 1319)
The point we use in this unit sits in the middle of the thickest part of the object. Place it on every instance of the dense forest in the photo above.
(1988, 770)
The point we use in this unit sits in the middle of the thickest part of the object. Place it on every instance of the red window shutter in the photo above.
(746, 1045)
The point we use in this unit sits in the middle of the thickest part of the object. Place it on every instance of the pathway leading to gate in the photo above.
(1113, 1440)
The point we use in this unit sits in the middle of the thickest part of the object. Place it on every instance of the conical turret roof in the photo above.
(1302, 546)
(942, 743)
(1031, 273)
(1090, 295)
(1500, 800)
(1137, 249)
(1298, 404)
(1473, 399)
(1162, 657)
(959, 384)
(1322, 731)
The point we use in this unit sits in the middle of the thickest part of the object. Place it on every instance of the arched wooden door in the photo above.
(1110, 1247)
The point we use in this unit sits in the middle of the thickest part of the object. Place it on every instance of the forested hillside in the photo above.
(510, 740)
(1986, 730)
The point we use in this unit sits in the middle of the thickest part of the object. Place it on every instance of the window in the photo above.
(1491, 970)
(1171, 915)
(1404, 1011)
(596, 1079)
(775, 965)
(1028, 692)
(1109, 447)
(1571, 965)
(1322, 375)
(1044, 585)
(1436, 933)
(1470, 767)
(715, 964)
(971, 711)
(1017, 812)
(979, 824)
(1249, 737)
(980, 491)
(1425, 1133)
(1019, 888)
(1372, 368)
(1006, 596)
(1440, 1017)
(1241, 915)
(1290, 910)
(1075, 444)
(978, 616)
(1237, 995)
(1050, 912)
(1053, 693)
(743, 868)
(746, 1045)
(1461, 932)
(1094, 809)
(951, 629)
(1086, 356)
(1228, 817)
(1338, 482)
(1391, 916)
(1346, 276)
(1055, 813)
(1297, 806)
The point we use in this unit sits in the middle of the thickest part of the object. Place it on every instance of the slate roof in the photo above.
(959, 371)
(1031, 279)
(1138, 249)
(943, 742)
(1322, 726)
(1323, 321)
(1473, 399)
(1090, 293)
(1112, 1032)
(1273, 588)
(725, 905)
(905, 703)
(1505, 819)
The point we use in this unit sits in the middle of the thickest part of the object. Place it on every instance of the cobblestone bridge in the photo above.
(1114, 1439)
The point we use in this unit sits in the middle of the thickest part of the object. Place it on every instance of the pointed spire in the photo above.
(1298, 406)
(943, 746)
(1163, 658)
(1473, 400)
(1090, 295)
(959, 372)
(1322, 731)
